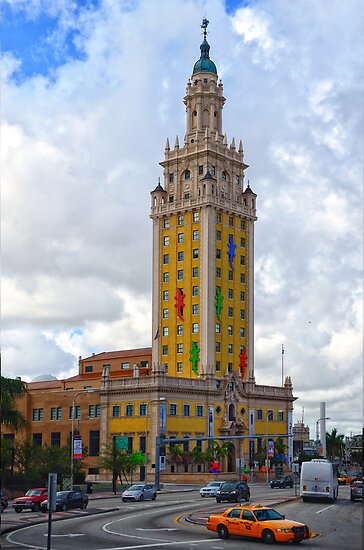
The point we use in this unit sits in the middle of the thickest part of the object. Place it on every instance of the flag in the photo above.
(156, 334)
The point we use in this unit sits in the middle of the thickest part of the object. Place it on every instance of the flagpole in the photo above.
(282, 363)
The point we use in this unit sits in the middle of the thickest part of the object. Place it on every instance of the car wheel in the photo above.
(36, 508)
(123, 499)
(283, 486)
(218, 500)
(141, 498)
(268, 536)
(17, 510)
(64, 507)
(223, 532)
(154, 496)
(83, 505)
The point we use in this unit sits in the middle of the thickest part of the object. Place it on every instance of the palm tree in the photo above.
(11, 390)
(334, 444)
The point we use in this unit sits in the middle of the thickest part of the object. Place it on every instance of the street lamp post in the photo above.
(89, 390)
(323, 437)
(159, 400)
(267, 463)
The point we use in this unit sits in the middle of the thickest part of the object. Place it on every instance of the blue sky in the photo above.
(90, 92)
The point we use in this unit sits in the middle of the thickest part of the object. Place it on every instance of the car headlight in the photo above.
(233, 492)
(283, 530)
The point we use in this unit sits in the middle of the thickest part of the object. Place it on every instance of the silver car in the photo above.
(211, 488)
(139, 493)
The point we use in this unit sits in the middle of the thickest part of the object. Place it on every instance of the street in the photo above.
(165, 523)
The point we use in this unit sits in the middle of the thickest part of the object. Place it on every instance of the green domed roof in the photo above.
(204, 64)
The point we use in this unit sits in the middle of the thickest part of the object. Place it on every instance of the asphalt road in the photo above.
(162, 524)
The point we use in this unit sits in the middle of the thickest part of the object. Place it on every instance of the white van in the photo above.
(319, 480)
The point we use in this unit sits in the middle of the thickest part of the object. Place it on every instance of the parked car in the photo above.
(211, 488)
(67, 500)
(4, 501)
(233, 491)
(139, 492)
(258, 522)
(356, 490)
(31, 500)
(282, 482)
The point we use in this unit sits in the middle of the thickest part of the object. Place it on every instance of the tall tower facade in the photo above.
(203, 243)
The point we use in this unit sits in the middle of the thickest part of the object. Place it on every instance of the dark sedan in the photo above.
(282, 482)
(356, 490)
(67, 500)
(233, 491)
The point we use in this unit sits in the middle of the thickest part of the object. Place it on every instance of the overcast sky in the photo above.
(92, 88)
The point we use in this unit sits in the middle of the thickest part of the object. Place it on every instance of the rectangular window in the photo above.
(71, 412)
(166, 221)
(242, 242)
(194, 309)
(179, 348)
(165, 259)
(270, 414)
(166, 241)
(195, 272)
(230, 330)
(242, 260)
(280, 416)
(165, 295)
(180, 220)
(242, 314)
(125, 365)
(179, 330)
(165, 350)
(195, 253)
(231, 275)
(242, 224)
(242, 296)
(218, 273)
(129, 410)
(142, 444)
(195, 291)
(194, 328)
(91, 411)
(88, 368)
(40, 414)
(230, 349)
(218, 328)
(165, 331)
(171, 177)
(179, 367)
(242, 278)
(196, 216)
(130, 443)
(171, 198)
(116, 411)
(37, 439)
(59, 413)
(230, 293)
(218, 366)
(218, 254)
(180, 238)
(172, 409)
(237, 180)
(218, 217)
(218, 235)
(94, 443)
(165, 277)
(230, 312)
(199, 410)
(53, 413)
(242, 332)
(195, 235)
(165, 313)
(180, 275)
(186, 409)
(230, 367)
(213, 170)
(142, 409)
(186, 195)
(56, 439)
(98, 411)
(200, 170)
(231, 221)
(259, 444)
(218, 347)
(180, 257)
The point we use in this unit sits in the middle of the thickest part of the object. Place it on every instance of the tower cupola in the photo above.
(204, 64)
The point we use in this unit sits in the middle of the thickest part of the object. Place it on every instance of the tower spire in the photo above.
(205, 22)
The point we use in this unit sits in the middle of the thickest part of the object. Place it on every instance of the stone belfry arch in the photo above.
(203, 242)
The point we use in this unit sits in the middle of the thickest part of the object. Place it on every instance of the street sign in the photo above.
(121, 443)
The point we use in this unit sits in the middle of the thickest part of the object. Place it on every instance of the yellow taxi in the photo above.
(345, 479)
(258, 522)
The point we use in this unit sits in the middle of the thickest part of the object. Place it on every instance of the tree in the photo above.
(121, 463)
(11, 390)
(176, 454)
(334, 444)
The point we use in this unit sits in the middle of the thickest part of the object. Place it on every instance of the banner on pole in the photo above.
(270, 448)
(77, 448)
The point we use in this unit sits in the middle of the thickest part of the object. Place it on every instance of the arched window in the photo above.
(231, 412)
(187, 175)
(223, 175)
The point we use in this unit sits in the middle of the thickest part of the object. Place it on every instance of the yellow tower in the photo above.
(203, 243)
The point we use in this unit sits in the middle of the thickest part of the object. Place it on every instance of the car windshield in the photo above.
(214, 484)
(228, 486)
(33, 493)
(62, 494)
(136, 488)
(267, 514)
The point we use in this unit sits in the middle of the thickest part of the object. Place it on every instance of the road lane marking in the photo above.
(157, 529)
(323, 509)
(67, 535)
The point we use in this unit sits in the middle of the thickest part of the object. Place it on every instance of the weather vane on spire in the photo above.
(205, 22)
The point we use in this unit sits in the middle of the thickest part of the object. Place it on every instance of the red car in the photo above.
(31, 501)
